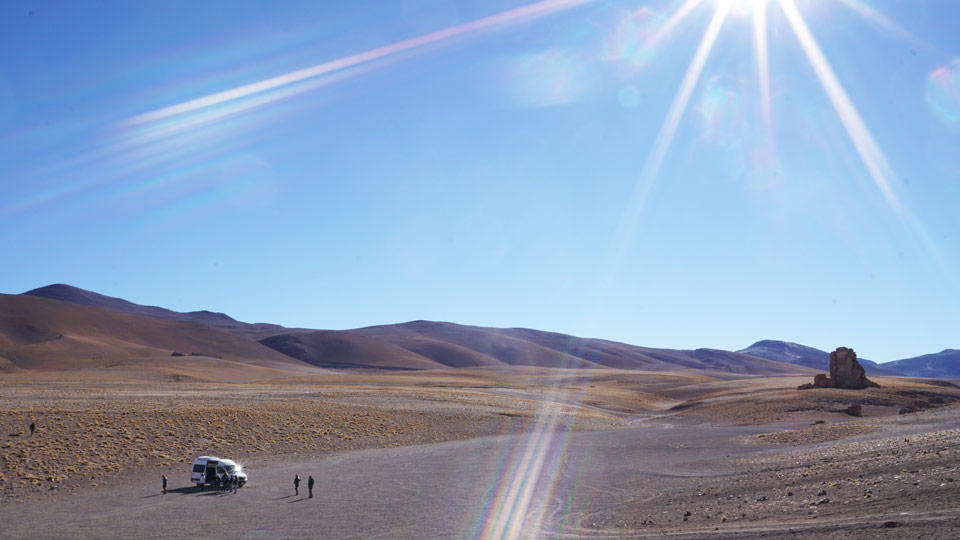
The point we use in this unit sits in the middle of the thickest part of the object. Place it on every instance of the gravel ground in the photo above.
(414, 462)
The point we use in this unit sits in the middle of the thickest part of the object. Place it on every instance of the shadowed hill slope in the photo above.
(943, 365)
(339, 349)
(68, 293)
(43, 334)
(801, 355)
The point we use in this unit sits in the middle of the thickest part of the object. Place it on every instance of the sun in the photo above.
(745, 7)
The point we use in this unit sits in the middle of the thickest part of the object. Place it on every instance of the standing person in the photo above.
(236, 483)
(33, 427)
(310, 485)
(296, 484)
(164, 484)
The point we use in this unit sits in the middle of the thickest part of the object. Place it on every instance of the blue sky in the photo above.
(496, 163)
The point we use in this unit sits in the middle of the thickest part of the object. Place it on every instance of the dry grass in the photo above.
(752, 401)
(88, 433)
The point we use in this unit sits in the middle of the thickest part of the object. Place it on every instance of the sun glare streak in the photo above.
(870, 153)
(678, 16)
(882, 21)
(873, 158)
(526, 481)
(531, 11)
(664, 137)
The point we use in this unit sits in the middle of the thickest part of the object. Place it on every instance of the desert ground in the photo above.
(513, 452)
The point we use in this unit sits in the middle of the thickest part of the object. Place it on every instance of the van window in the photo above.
(198, 468)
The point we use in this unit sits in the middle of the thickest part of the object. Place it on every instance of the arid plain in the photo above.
(436, 430)
(485, 453)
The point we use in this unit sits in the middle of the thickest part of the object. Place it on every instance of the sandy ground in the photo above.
(470, 456)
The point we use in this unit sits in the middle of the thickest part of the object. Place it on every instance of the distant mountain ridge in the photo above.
(432, 345)
(801, 355)
(942, 365)
(76, 295)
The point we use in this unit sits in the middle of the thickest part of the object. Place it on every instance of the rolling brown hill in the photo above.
(43, 334)
(412, 345)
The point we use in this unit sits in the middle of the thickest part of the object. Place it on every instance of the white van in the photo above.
(233, 470)
(206, 469)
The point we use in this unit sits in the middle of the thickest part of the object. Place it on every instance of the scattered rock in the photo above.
(854, 410)
(891, 524)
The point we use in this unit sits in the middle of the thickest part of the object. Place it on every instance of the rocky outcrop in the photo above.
(845, 372)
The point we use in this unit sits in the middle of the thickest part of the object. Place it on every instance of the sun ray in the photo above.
(664, 137)
(763, 69)
(870, 153)
(678, 16)
(884, 22)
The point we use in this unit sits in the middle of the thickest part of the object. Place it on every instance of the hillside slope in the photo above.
(339, 349)
(43, 334)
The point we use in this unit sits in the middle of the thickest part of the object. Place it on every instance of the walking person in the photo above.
(164, 484)
(310, 486)
(296, 484)
(33, 427)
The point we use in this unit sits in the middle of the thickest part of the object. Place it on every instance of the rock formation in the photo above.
(845, 372)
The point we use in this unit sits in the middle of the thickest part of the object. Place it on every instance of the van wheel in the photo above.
(200, 487)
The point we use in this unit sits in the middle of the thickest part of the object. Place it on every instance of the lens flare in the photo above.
(943, 93)
(720, 111)
(549, 78)
(631, 40)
